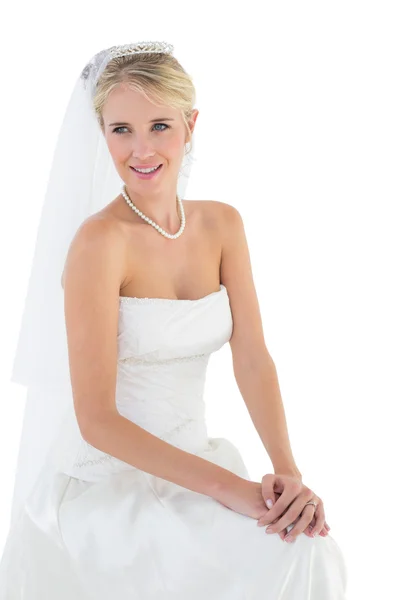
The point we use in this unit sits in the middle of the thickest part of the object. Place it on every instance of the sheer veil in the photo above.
(82, 180)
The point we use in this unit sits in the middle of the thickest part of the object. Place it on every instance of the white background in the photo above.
(299, 129)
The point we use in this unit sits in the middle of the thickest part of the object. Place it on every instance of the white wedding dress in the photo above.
(101, 529)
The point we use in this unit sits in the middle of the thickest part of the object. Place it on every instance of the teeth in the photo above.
(146, 170)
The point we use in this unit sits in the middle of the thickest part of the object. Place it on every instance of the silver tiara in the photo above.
(97, 64)
(141, 47)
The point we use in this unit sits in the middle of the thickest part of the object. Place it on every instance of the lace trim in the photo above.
(107, 457)
(178, 428)
(167, 361)
(97, 461)
(86, 450)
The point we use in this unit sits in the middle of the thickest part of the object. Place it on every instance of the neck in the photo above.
(163, 208)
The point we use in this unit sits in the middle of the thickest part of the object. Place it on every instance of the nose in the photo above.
(142, 148)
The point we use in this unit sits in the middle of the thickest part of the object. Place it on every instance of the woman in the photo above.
(131, 498)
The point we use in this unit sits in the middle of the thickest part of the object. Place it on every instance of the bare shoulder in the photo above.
(223, 219)
(214, 206)
(96, 244)
(215, 212)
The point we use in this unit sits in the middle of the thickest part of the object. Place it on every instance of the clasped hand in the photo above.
(288, 510)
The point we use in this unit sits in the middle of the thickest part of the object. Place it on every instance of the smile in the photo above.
(149, 175)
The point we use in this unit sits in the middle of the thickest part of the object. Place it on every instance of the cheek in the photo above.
(118, 148)
(173, 146)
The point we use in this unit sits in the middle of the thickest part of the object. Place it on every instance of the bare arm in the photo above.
(93, 275)
(254, 368)
(129, 442)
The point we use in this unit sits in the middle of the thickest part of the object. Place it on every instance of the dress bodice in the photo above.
(164, 346)
(163, 350)
(154, 330)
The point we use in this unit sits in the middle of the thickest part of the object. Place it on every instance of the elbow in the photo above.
(253, 361)
(95, 428)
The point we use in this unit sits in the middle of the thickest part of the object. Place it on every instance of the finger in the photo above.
(285, 500)
(301, 526)
(294, 512)
(267, 510)
(283, 533)
(281, 503)
(309, 529)
(324, 531)
(319, 520)
(319, 510)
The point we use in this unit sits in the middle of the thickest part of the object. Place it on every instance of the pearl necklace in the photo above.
(157, 227)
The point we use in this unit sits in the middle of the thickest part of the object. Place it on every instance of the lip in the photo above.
(145, 166)
(151, 175)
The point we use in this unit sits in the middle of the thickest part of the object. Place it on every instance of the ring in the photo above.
(311, 502)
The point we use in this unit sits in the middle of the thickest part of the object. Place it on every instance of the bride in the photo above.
(120, 491)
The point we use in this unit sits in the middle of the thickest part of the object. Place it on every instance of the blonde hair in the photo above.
(159, 76)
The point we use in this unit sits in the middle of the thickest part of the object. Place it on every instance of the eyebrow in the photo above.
(152, 121)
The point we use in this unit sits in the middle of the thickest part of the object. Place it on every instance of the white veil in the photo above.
(82, 180)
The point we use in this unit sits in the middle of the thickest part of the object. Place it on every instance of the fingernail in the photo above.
(289, 538)
(270, 503)
(259, 524)
(268, 530)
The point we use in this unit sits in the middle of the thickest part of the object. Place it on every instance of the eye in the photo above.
(164, 125)
(117, 128)
(118, 131)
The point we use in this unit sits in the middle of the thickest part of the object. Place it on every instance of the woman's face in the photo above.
(140, 134)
